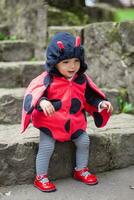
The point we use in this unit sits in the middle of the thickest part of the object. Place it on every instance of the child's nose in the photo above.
(73, 65)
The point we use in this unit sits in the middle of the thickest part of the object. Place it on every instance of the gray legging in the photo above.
(46, 148)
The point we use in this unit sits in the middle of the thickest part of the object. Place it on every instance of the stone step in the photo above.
(11, 104)
(19, 74)
(75, 30)
(18, 50)
(4, 31)
(111, 148)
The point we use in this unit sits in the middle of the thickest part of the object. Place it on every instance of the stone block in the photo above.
(18, 152)
(112, 95)
(121, 133)
(27, 19)
(30, 71)
(10, 75)
(109, 50)
(19, 74)
(103, 51)
(111, 147)
(4, 30)
(117, 149)
(11, 105)
(99, 152)
(75, 30)
(16, 51)
(127, 32)
(17, 158)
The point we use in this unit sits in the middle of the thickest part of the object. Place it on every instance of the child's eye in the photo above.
(77, 60)
(66, 61)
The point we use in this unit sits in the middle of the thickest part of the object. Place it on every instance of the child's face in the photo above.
(69, 67)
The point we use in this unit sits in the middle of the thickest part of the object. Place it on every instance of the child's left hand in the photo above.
(106, 105)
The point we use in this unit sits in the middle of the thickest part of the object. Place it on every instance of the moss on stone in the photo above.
(123, 93)
(114, 35)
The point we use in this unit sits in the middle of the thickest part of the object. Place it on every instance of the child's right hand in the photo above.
(47, 107)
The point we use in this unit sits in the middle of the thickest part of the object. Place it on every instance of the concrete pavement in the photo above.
(113, 185)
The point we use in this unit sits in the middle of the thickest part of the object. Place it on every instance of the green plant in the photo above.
(128, 108)
(2, 36)
(124, 106)
(7, 37)
(12, 37)
(124, 14)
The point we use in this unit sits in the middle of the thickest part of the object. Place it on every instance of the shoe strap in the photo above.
(85, 173)
(45, 180)
(40, 177)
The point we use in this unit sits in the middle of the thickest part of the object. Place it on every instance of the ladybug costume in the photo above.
(70, 98)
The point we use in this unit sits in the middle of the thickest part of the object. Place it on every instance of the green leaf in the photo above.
(127, 108)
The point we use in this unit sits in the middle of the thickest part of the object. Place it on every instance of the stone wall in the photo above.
(110, 55)
(27, 20)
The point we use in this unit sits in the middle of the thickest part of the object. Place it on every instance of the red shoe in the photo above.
(88, 179)
(44, 186)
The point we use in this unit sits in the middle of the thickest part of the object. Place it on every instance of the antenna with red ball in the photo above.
(77, 41)
(60, 45)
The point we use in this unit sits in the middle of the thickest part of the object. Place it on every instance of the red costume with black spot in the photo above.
(70, 99)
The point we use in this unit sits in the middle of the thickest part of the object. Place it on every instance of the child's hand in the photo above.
(47, 107)
(106, 105)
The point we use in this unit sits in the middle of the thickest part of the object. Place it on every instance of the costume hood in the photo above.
(64, 46)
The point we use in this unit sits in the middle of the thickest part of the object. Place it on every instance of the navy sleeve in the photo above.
(92, 97)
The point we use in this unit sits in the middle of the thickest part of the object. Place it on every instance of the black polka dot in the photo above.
(77, 133)
(47, 80)
(56, 103)
(75, 106)
(27, 104)
(67, 125)
(98, 119)
(46, 131)
(80, 79)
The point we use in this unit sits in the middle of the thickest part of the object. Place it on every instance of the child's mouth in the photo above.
(71, 72)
